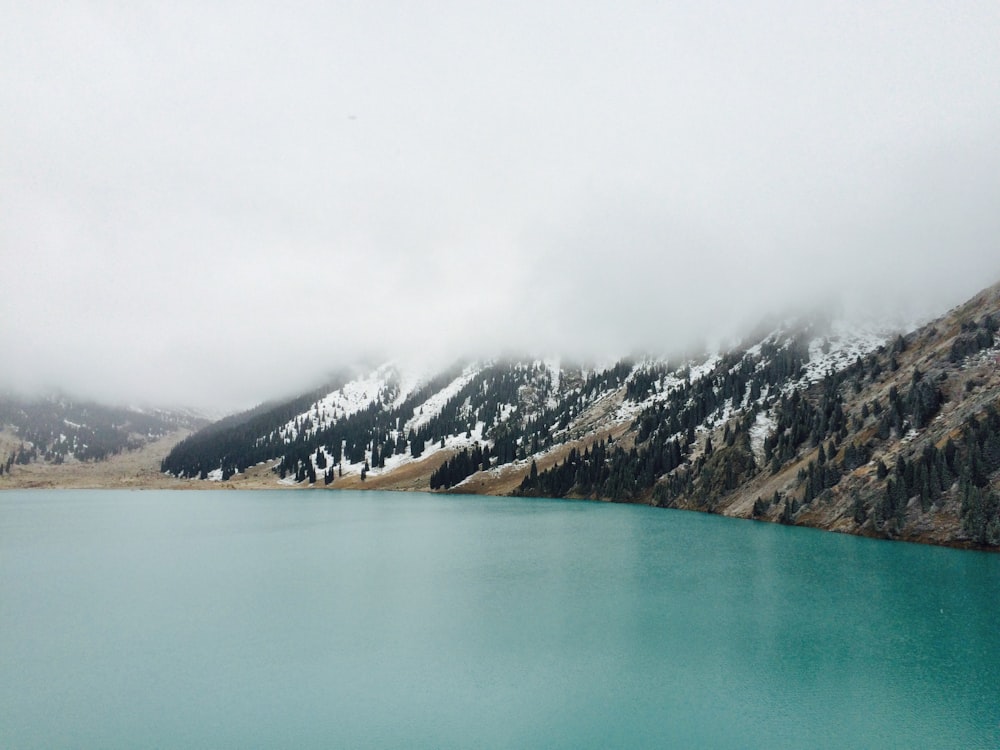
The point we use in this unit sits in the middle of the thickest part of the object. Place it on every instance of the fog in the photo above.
(214, 204)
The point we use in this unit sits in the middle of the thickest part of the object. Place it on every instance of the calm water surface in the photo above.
(354, 620)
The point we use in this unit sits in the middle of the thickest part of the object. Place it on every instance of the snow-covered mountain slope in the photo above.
(389, 417)
(803, 411)
(379, 385)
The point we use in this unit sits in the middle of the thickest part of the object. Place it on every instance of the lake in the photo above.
(226, 619)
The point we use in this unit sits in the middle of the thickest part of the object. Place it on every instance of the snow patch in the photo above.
(840, 348)
(433, 405)
(553, 365)
(706, 367)
(349, 399)
(451, 442)
(763, 426)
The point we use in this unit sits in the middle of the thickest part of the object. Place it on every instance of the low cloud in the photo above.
(217, 206)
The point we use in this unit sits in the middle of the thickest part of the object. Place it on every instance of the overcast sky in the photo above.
(212, 204)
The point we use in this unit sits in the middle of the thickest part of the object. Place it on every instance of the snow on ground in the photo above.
(762, 427)
(361, 392)
(598, 366)
(356, 395)
(521, 463)
(505, 411)
(629, 410)
(452, 442)
(754, 351)
(638, 367)
(665, 386)
(349, 399)
(429, 409)
(843, 345)
(700, 371)
(433, 406)
(762, 399)
(986, 356)
(554, 368)
(409, 379)
(720, 416)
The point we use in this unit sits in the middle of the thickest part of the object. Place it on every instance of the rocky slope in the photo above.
(902, 444)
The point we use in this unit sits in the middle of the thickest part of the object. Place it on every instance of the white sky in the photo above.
(212, 204)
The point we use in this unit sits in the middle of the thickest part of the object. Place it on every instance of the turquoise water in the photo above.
(354, 620)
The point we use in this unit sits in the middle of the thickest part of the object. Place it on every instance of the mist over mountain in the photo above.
(815, 421)
(865, 431)
(207, 207)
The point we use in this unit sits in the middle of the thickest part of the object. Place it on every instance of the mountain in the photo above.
(56, 440)
(810, 423)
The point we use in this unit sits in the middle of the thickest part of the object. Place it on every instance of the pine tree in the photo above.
(859, 512)
(881, 471)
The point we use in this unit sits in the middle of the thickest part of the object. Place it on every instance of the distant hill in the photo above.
(56, 430)
(871, 432)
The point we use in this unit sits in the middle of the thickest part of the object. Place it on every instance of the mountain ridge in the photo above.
(56, 440)
(810, 422)
(807, 413)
